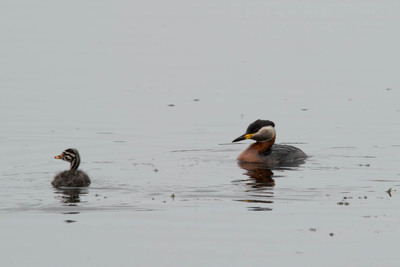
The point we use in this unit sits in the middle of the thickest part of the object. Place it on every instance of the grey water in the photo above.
(152, 94)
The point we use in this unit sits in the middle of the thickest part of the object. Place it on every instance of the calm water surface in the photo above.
(152, 94)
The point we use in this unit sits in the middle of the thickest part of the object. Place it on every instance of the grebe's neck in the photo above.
(263, 147)
(256, 152)
(75, 162)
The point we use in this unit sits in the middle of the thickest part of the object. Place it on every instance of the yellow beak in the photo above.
(243, 137)
(248, 136)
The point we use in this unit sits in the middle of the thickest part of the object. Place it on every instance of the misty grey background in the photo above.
(167, 85)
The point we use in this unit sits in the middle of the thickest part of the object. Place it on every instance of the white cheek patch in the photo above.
(265, 133)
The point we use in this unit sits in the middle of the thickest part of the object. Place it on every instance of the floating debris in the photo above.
(196, 99)
(147, 164)
(171, 105)
(389, 192)
(366, 165)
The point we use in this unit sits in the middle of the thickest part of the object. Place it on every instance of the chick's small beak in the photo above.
(58, 157)
(243, 137)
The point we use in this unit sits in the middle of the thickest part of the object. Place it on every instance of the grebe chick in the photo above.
(264, 150)
(73, 177)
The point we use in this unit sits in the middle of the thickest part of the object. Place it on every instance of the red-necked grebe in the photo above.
(73, 177)
(264, 150)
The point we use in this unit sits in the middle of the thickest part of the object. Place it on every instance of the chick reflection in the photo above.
(71, 196)
(262, 176)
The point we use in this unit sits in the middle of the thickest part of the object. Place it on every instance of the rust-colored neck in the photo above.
(263, 147)
(255, 152)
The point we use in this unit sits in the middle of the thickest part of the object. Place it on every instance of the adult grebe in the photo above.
(73, 177)
(265, 150)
